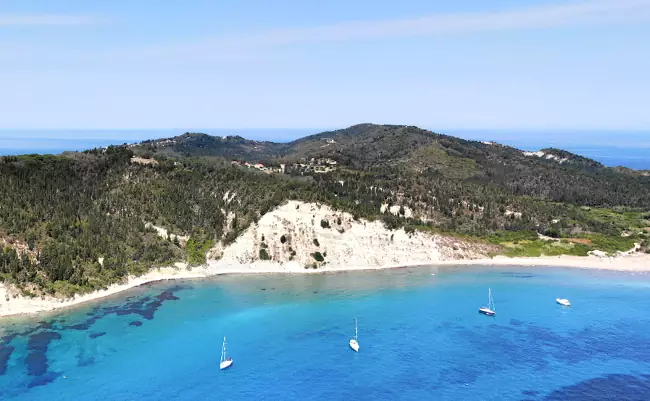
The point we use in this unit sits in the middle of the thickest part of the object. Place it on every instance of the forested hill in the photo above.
(79, 221)
(550, 174)
(196, 144)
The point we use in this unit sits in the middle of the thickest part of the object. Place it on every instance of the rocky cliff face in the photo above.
(302, 236)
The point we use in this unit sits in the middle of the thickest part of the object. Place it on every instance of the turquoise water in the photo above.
(420, 336)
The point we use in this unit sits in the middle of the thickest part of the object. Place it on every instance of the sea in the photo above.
(420, 334)
(612, 148)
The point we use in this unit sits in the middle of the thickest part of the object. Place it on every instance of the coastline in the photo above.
(637, 262)
(12, 304)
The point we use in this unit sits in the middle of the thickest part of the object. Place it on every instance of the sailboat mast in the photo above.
(356, 329)
(490, 300)
(223, 350)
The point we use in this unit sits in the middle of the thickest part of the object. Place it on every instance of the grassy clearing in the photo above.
(196, 249)
(451, 166)
(612, 244)
(619, 217)
(614, 221)
(526, 243)
(544, 248)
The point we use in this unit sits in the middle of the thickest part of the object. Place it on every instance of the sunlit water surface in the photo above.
(420, 334)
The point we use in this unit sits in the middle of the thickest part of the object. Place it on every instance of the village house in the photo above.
(261, 167)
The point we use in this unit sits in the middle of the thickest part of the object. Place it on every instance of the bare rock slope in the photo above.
(302, 236)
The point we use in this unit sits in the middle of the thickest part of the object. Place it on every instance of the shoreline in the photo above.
(12, 304)
(638, 262)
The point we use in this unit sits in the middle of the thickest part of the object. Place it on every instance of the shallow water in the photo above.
(420, 336)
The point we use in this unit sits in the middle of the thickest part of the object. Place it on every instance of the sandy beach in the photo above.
(12, 303)
(631, 263)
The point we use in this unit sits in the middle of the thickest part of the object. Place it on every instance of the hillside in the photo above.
(550, 174)
(197, 144)
(80, 221)
(388, 151)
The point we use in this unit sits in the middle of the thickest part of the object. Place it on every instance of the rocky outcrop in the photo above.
(21, 247)
(302, 236)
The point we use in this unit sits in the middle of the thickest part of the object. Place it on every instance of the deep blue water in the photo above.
(420, 335)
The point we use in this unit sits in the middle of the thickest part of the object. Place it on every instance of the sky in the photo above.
(445, 65)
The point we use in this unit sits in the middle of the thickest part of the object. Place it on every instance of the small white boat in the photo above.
(225, 361)
(488, 310)
(563, 301)
(354, 343)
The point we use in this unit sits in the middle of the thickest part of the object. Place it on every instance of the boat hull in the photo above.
(487, 311)
(225, 364)
(563, 302)
(354, 345)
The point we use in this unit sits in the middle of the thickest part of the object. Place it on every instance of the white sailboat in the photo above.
(488, 310)
(563, 301)
(354, 343)
(225, 361)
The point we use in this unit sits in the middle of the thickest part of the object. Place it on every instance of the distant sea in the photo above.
(420, 334)
(15, 142)
(612, 148)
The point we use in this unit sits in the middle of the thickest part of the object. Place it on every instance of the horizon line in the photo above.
(422, 126)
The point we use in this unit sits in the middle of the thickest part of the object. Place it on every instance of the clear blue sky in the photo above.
(553, 64)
